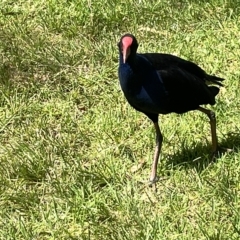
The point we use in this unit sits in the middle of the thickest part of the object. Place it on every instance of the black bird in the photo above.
(158, 83)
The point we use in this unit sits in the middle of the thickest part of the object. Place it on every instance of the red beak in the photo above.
(126, 44)
(126, 52)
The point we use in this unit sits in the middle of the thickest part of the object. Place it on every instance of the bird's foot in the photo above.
(153, 180)
(219, 151)
(153, 183)
(225, 150)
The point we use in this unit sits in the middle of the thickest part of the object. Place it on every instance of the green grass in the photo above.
(68, 139)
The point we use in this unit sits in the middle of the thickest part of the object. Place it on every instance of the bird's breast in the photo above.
(143, 89)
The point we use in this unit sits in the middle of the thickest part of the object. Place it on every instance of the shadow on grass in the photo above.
(5, 73)
(200, 157)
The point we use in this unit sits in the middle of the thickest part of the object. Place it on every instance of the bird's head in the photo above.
(127, 46)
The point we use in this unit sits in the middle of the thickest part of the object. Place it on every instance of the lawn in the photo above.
(70, 143)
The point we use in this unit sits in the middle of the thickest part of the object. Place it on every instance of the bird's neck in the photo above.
(128, 79)
(131, 61)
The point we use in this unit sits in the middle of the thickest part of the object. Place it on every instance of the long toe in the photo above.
(220, 151)
(224, 150)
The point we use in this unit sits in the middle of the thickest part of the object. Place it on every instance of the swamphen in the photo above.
(157, 83)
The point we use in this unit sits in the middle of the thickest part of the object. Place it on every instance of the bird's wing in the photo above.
(186, 91)
(162, 61)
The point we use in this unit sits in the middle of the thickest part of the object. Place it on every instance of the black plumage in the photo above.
(157, 83)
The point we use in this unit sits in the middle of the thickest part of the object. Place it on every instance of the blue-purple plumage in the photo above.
(143, 87)
(157, 83)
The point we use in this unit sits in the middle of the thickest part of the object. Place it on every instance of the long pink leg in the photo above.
(212, 118)
(159, 140)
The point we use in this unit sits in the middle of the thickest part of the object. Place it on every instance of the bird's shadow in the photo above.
(200, 156)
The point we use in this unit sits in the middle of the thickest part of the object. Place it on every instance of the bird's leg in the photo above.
(212, 118)
(159, 139)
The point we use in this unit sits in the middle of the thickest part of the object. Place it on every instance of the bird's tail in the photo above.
(213, 79)
(214, 90)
